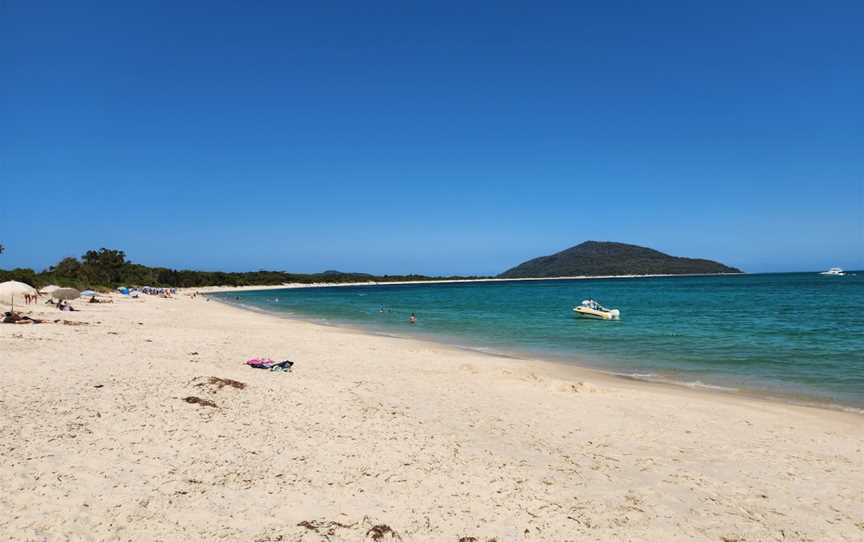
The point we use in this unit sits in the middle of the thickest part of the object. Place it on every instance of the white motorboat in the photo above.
(591, 309)
(836, 271)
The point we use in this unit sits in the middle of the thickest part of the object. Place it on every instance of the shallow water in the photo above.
(798, 334)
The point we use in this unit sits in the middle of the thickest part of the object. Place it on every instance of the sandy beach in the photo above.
(382, 438)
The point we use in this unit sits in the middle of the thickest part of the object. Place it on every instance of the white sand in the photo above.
(436, 443)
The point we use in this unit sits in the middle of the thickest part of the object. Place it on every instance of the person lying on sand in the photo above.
(15, 318)
(64, 306)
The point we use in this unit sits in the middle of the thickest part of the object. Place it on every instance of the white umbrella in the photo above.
(48, 289)
(11, 290)
(66, 294)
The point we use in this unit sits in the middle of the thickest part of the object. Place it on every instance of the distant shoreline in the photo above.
(290, 285)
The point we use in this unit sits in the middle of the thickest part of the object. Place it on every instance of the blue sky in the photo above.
(431, 137)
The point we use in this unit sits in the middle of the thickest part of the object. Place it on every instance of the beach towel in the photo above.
(267, 363)
(260, 363)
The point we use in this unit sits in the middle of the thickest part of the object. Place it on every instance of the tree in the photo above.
(67, 267)
(104, 266)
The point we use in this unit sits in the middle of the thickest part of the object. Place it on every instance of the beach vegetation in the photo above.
(109, 268)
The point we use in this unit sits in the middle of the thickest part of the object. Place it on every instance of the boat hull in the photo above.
(586, 312)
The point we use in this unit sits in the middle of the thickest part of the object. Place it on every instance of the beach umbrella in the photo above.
(66, 294)
(48, 289)
(123, 290)
(12, 290)
(88, 293)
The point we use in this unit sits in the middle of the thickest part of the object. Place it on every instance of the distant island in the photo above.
(603, 258)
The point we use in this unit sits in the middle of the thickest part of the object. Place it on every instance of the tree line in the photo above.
(108, 268)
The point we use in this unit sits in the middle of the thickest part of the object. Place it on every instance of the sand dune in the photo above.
(380, 438)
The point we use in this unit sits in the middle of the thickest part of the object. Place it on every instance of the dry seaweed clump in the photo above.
(220, 383)
(192, 400)
(326, 528)
(378, 532)
(214, 384)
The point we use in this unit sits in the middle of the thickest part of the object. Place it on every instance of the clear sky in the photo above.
(431, 137)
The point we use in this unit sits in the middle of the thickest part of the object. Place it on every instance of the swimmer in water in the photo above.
(412, 319)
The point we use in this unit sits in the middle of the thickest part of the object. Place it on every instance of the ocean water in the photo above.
(795, 335)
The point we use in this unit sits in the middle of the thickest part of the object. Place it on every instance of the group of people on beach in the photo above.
(31, 298)
(162, 292)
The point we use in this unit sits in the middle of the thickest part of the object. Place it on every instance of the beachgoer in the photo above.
(412, 319)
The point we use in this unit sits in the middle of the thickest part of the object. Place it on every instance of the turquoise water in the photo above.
(798, 334)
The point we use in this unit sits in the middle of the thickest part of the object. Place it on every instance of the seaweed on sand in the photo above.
(329, 527)
(377, 532)
(192, 400)
(222, 382)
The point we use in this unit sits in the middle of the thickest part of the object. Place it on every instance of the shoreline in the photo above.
(579, 368)
(150, 425)
(291, 285)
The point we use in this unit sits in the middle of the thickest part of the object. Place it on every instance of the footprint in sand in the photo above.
(578, 387)
(469, 368)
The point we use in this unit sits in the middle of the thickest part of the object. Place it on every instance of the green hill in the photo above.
(596, 258)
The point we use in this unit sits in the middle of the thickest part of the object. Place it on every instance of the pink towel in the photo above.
(261, 362)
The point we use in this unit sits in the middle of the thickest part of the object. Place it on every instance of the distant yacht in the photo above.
(833, 271)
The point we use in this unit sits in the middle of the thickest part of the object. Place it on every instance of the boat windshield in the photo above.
(591, 304)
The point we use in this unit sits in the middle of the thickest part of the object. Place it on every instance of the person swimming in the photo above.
(412, 319)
